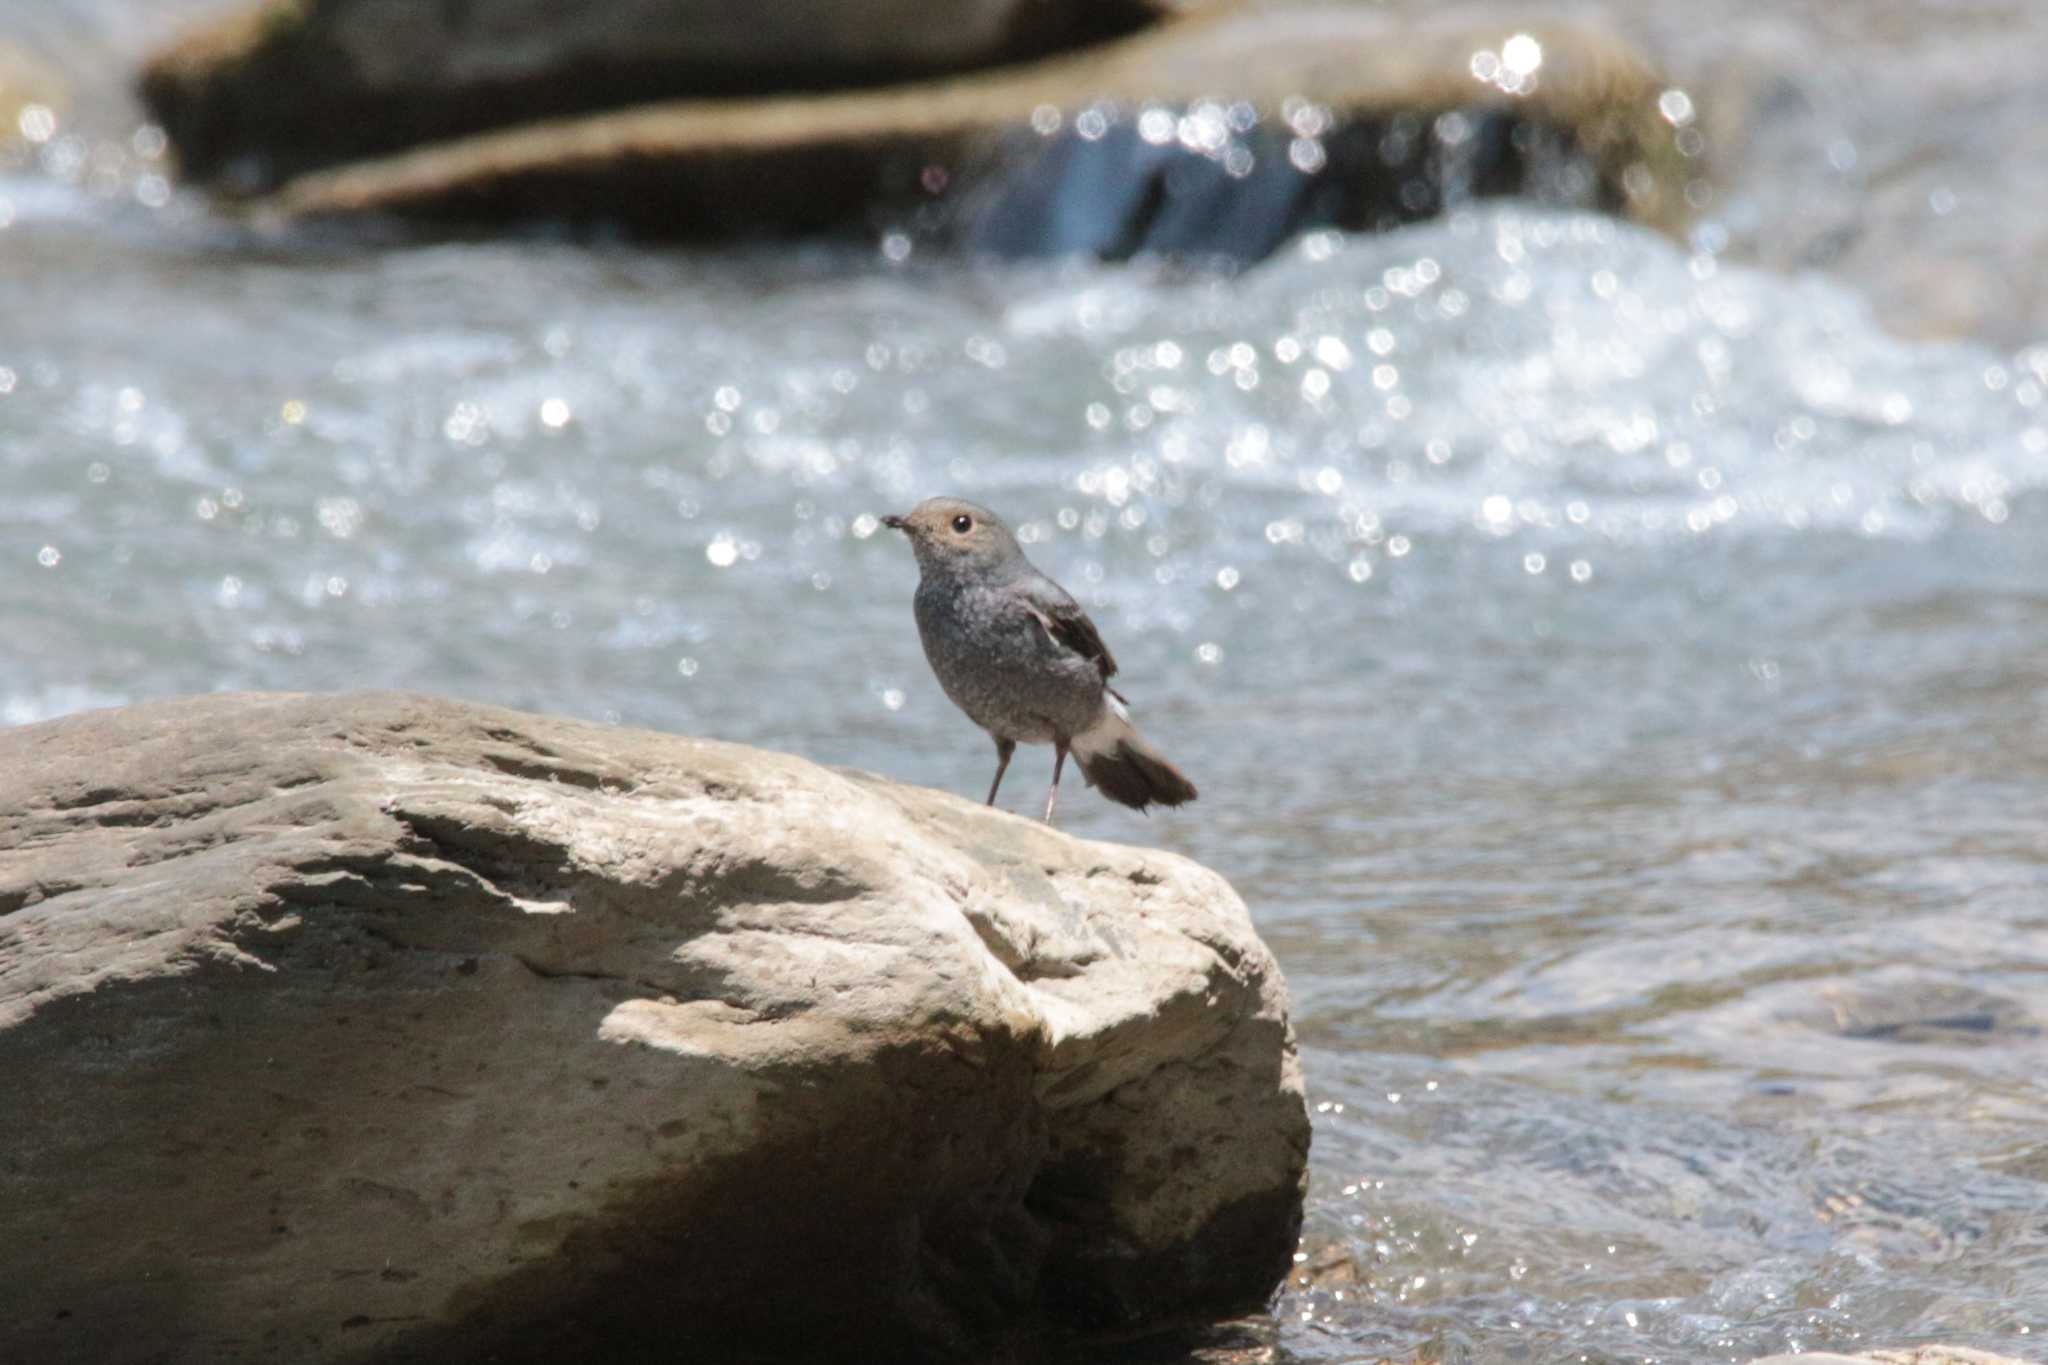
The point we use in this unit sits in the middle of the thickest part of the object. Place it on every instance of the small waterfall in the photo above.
(1209, 181)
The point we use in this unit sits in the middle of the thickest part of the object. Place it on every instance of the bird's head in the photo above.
(952, 536)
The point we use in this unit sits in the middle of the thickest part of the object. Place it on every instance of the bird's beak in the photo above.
(894, 523)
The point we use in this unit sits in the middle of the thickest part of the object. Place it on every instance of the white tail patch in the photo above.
(1117, 762)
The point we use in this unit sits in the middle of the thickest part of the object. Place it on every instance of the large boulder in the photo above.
(284, 84)
(377, 1027)
(1222, 131)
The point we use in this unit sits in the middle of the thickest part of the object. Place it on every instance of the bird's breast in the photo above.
(996, 663)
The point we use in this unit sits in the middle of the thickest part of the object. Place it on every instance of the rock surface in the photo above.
(1283, 118)
(1345, 107)
(294, 83)
(376, 1027)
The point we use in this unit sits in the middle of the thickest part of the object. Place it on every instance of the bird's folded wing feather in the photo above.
(1069, 626)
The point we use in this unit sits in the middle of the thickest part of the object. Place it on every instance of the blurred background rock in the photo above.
(1894, 143)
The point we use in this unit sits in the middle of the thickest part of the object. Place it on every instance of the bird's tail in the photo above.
(1116, 761)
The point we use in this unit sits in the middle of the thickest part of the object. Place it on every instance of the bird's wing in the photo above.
(1068, 625)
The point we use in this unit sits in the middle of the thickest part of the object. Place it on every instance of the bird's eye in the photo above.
(963, 523)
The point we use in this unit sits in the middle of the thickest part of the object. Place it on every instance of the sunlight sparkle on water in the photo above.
(1521, 819)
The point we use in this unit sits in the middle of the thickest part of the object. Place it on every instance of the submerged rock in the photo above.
(378, 1028)
(1910, 1007)
(1220, 132)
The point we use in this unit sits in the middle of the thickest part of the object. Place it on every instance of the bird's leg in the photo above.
(1059, 760)
(1004, 748)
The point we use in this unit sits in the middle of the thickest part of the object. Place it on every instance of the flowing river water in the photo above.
(1616, 678)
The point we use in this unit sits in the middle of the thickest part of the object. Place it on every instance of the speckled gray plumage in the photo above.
(983, 638)
(1016, 652)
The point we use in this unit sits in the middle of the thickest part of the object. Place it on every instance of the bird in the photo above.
(1016, 652)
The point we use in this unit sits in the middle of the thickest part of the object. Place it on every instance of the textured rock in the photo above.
(1347, 100)
(377, 1027)
(293, 83)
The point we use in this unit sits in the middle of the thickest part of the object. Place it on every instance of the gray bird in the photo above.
(1019, 656)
